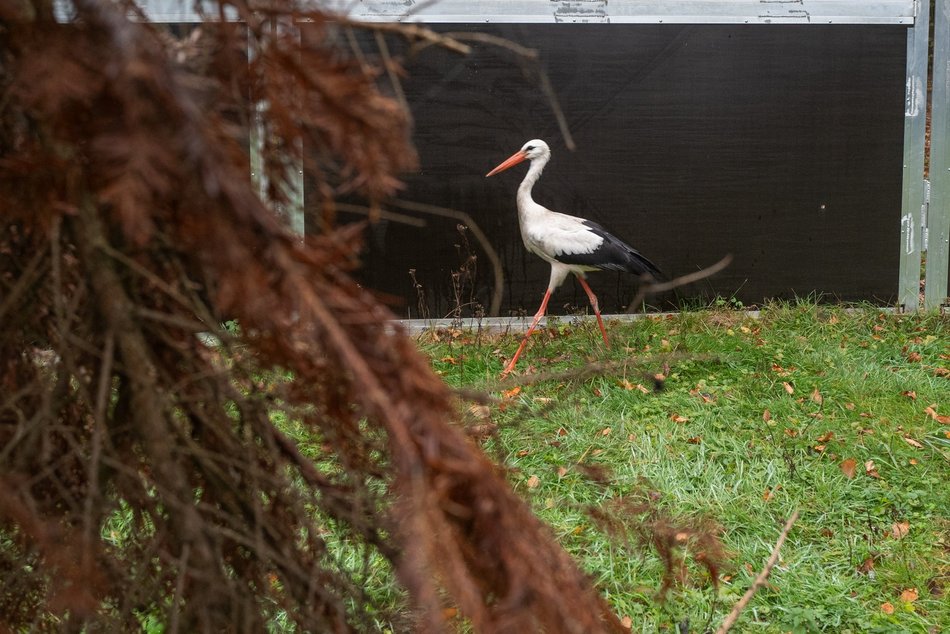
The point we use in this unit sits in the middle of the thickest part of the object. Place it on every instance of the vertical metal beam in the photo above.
(293, 210)
(915, 129)
(939, 215)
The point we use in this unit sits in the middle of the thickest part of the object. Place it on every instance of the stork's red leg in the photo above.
(537, 318)
(593, 303)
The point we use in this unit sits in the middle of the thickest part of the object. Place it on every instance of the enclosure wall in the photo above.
(779, 145)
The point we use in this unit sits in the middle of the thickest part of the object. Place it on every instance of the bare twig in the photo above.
(660, 287)
(598, 368)
(494, 40)
(479, 235)
(548, 91)
(532, 56)
(390, 67)
(34, 270)
(733, 616)
(380, 214)
(411, 32)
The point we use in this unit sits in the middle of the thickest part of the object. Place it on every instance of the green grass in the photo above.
(704, 447)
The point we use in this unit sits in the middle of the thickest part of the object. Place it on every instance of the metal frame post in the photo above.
(294, 189)
(938, 229)
(915, 127)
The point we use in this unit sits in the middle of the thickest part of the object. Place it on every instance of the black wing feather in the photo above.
(612, 255)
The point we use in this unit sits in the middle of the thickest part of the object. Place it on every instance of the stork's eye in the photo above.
(529, 148)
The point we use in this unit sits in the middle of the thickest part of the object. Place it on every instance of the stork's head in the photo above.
(535, 149)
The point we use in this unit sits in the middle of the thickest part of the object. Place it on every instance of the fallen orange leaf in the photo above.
(513, 392)
(676, 418)
(899, 530)
(627, 385)
(816, 396)
(871, 470)
(911, 394)
(914, 357)
(788, 387)
(848, 467)
(825, 437)
(909, 595)
(932, 412)
(605, 431)
(695, 440)
(913, 443)
(627, 622)
(766, 416)
(887, 608)
(534, 482)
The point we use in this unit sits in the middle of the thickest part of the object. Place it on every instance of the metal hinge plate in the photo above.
(924, 213)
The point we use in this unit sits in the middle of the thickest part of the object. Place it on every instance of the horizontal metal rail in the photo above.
(584, 11)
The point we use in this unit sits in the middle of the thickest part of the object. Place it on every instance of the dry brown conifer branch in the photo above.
(760, 579)
(124, 152)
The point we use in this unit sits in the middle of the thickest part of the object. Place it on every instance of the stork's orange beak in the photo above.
(511, 161)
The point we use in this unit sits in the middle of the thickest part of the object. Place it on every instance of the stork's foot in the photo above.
(509, 368)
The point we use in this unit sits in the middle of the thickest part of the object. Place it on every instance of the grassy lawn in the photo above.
(836, 413)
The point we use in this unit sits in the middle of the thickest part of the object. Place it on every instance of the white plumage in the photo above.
(570, 244)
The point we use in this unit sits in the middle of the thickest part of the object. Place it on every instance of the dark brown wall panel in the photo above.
(781, 145)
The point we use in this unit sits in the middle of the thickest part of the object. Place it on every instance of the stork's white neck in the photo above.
(524, 190)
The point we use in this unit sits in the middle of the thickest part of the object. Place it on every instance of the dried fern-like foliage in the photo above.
(130, 230)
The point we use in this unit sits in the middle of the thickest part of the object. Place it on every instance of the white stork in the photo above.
(570, 244)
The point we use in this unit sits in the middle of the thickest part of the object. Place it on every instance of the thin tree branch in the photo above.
(390, 67)
(733, 616)
(479, 235)
(659, 287)
(380, 214)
